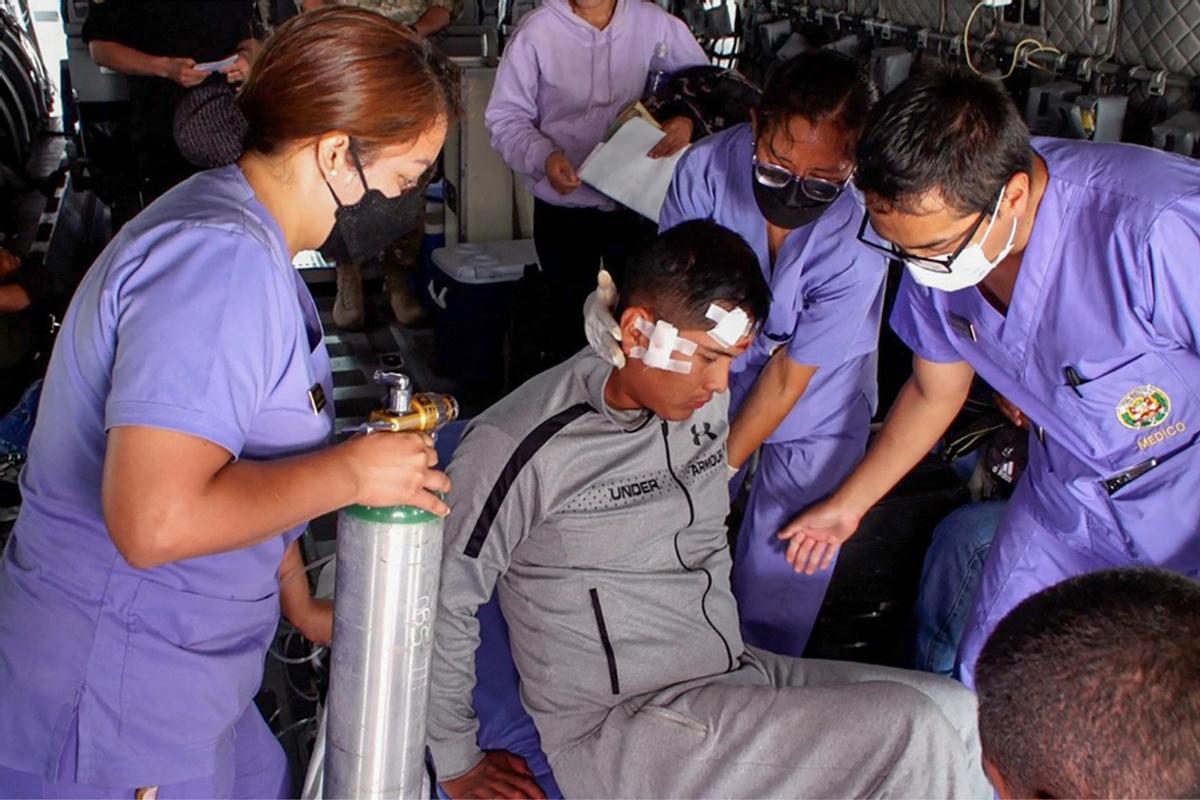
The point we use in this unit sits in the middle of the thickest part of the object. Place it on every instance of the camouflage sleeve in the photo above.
(453, 6)
(406, 12)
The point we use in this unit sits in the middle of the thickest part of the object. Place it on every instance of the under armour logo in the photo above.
(697, 433)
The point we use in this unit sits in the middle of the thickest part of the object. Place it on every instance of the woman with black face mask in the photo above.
(184, 437)
(805, 391)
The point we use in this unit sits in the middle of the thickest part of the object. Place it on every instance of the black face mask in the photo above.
(788, 207)
(362, 230)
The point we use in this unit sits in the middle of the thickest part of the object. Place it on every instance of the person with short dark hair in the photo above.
(1062, 271)
(805, 391)
(1091, 688)
(950, 132)
(593, 499)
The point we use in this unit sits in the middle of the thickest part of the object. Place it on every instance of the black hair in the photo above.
(691, 266)
(1091, 688)
(946, 130)
(818, 85)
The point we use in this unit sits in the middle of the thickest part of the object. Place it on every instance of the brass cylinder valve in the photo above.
(404, 411)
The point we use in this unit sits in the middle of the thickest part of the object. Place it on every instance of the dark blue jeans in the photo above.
(949, 580)
(17, 425)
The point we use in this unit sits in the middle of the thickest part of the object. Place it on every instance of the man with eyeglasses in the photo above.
(1064, 273)
(806, 390)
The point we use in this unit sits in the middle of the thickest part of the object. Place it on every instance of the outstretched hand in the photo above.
(816, 536)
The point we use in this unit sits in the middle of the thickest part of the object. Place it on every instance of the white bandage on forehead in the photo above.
(731, 325)
(664, 340)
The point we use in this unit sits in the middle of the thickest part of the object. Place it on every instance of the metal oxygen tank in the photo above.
(388, 572)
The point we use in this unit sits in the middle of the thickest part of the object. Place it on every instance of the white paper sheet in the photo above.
(620, 168)
(216, 66)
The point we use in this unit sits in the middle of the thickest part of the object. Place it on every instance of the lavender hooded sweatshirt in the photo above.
(562, 82)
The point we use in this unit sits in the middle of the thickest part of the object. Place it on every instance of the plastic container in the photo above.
(471, 289)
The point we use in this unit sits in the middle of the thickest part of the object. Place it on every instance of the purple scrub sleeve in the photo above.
(212, 380)
(192, 320)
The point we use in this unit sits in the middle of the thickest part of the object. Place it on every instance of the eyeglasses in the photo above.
(818, 189)
(934, 264)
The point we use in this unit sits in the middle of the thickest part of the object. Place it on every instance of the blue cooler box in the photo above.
(471, 289)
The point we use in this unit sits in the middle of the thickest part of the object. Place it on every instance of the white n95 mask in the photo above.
(970, 267)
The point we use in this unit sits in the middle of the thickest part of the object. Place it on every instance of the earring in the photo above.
(333, 172)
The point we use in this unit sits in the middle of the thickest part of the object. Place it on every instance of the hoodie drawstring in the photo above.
(608, 47)
(592, 76)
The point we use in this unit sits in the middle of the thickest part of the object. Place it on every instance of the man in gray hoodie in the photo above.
(595, 499)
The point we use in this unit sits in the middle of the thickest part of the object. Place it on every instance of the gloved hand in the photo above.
(603, 332)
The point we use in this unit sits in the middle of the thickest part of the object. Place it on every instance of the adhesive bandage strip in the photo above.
(664, 340)
(731, 325)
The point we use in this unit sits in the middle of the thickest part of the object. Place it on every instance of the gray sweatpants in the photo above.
(786, 727)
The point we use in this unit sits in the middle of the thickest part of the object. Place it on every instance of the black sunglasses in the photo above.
(937, 264)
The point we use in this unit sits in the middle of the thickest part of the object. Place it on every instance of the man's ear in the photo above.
(1016, 193)
(631, 337)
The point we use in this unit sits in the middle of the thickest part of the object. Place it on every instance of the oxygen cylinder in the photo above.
(388, 572)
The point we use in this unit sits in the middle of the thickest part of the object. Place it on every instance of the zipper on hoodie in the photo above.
(613, 679)
(679, 556)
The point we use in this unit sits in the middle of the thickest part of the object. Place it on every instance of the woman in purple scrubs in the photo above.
(183, 438)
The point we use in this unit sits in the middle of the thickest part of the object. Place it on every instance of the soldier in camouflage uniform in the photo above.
(400, 259)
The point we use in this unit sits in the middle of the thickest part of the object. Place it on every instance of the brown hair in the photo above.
(346, 69)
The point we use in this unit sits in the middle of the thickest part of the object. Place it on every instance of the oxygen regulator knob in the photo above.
(399, 391)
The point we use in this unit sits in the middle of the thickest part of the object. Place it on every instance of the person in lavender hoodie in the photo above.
(571, 67)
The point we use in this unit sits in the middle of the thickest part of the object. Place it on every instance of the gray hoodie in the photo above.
(605, 533)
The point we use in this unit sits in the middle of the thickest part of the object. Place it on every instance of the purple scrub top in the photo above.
(192, 320)
(1100, 348)
(826, 288)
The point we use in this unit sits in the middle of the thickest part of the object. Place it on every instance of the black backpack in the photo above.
(714, 98)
